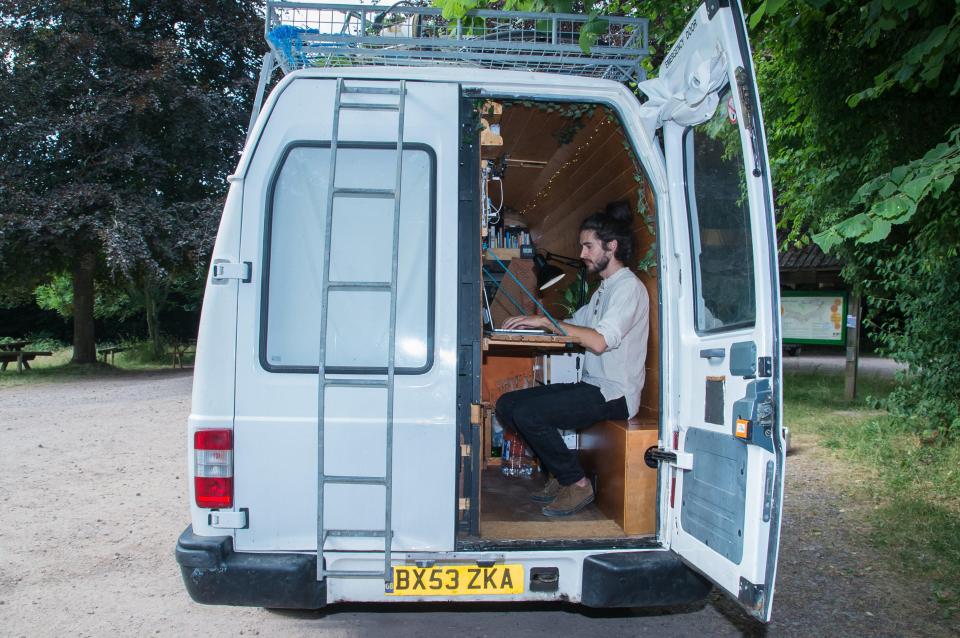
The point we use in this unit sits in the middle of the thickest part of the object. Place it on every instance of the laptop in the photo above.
(490, 329)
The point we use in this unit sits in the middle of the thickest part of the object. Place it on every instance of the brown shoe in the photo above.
(548, 493)
(570, 500)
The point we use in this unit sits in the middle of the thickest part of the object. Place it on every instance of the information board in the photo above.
(814, 316)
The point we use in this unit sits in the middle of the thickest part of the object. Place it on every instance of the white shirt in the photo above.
(620, 311)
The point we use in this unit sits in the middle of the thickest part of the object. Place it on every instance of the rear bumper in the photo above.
(641, 579)
(216, 575)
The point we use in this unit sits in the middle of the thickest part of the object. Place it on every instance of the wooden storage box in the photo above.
(626, 487)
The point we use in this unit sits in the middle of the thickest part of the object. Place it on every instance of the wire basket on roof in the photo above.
(306, 35)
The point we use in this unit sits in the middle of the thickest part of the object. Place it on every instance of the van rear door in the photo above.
(285, 199)
(723, 399)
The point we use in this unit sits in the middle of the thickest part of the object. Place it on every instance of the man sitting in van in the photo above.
(612, 328)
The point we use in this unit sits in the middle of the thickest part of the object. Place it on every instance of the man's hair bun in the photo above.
(620, 212)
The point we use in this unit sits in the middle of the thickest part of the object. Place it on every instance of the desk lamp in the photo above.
(548, 274)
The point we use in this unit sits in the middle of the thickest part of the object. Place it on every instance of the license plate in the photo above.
(457, 580)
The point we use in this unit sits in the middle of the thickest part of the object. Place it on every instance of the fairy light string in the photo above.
(544, 192)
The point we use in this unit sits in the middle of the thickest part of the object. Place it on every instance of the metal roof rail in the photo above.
(307, 35)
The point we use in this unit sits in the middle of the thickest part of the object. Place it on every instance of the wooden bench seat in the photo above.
(612, 451)
(22, 357)
(112, 351)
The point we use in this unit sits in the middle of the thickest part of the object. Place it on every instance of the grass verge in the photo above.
(58, 367)
(917, 482)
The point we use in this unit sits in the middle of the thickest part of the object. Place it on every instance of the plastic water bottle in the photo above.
(505, 455)
(514, 461)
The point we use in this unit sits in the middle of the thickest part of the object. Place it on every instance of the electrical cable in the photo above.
(503, 196)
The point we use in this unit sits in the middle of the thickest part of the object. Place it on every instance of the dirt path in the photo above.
(93, 495)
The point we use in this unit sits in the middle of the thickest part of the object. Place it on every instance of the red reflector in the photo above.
(213, 468)
(213, 440)
(213, 492)
(673, 489)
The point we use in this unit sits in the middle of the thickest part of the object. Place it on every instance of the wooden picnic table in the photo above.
(181, 348)
(110, 350)
(22, 357)
(11, 346)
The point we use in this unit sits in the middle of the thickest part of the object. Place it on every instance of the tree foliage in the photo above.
(927, 36)
(122, 119)
(57, 295)
(864, 128)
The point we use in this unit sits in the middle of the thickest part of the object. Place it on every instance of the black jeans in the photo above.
(538, 414)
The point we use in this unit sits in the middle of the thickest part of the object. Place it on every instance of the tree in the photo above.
(865, 136)
(122, 119)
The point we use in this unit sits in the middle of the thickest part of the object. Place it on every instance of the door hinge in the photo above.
(463, 504)
(227, 519)
(475, 413)
(751, 595)
(764, 366)
(224, 270)
(714, 5)
(680, 460)
(465, 449)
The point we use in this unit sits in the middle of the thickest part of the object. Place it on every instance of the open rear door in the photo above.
(725, 488)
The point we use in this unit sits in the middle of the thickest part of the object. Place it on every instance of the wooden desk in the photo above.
(529, 342)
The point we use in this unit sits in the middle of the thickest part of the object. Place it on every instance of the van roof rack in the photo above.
(305, 35)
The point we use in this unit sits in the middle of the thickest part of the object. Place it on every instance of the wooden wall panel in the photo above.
(596, 131)
(598, 190)
(564, 171)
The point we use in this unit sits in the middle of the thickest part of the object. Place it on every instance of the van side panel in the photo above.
(276, 447)
(213, 378)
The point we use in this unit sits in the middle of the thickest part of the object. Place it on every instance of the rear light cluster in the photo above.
(213, 468)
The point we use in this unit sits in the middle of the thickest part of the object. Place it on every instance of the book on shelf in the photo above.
(507, 237)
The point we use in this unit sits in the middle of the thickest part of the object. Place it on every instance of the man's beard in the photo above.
(599, 265)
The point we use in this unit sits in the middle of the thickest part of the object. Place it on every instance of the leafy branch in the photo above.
(459, 10)
(922, 65)
(893, 198)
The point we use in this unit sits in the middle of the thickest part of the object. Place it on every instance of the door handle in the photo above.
(713, 353)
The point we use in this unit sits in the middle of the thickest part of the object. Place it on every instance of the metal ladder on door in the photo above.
(387, 384)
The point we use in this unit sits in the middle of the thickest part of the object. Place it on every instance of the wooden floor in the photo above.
(507, 512)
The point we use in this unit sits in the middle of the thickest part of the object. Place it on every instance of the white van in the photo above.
(341, 441)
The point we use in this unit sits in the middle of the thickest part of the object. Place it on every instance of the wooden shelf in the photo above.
(504, 254)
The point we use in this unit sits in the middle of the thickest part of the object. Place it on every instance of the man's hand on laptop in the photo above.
(527, 322)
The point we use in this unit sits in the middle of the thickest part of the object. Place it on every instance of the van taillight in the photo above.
(213, 468)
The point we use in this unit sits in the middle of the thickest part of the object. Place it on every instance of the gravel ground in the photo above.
(93, 493)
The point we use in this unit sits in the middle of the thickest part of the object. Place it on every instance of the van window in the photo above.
(720, 233)
(361, 247)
